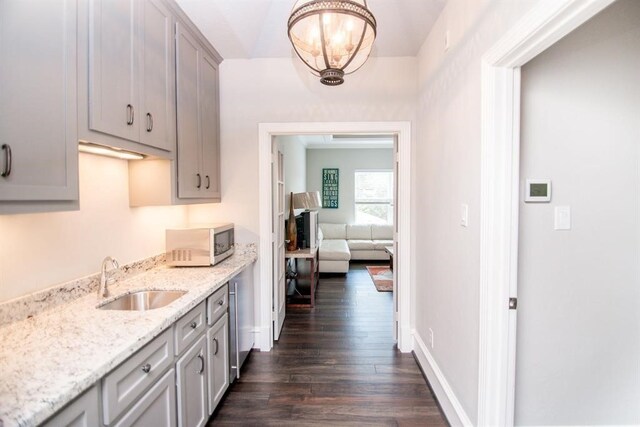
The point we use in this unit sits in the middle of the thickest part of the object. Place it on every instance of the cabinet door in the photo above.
(218, 360)
(38, 107)
(113, 57)
(155, 408)
(209, 116)
(82, 412)
(157, 76)
(188, 54)
(191, 370)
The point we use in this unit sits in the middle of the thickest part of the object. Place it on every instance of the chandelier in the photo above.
(332, 37)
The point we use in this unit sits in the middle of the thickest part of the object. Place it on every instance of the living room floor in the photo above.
(334, 364)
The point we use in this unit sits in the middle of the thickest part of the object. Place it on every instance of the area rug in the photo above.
(382, 277)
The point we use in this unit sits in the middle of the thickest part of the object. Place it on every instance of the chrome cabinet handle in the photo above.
(221, 302)
(208, 182)
(149, 122)
(146, 368)
(199, 181)
(201, 366)
(215, 340)
(193, 324)
(7, 160)
(130, 114)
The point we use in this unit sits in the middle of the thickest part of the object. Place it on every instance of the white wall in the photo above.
(578, 318)
(40, 250)
(257, 91)
(347, 161)
(447, 164)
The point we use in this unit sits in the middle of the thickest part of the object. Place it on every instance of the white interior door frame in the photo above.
(266, 132)
(544, 25)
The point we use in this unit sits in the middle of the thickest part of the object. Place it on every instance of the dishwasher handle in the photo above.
(234, 293)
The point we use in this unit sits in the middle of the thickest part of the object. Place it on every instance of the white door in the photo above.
(278, 244)
(395, 237)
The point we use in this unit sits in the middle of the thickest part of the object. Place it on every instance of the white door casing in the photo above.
(544, 25)
(266, 131)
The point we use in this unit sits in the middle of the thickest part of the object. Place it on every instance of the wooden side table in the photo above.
(310, 255)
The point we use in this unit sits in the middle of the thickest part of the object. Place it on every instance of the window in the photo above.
(374, 197)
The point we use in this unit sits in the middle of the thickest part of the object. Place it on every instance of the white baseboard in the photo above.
(449, 403)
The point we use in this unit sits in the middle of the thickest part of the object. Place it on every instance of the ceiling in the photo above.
(258, 28)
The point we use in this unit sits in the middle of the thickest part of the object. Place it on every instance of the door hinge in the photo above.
(513, 303)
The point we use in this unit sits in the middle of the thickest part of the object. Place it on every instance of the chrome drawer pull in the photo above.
(7, 160)
(221, 302)
(202, 366)
(194, 324)
(146, 368)
(149, 122)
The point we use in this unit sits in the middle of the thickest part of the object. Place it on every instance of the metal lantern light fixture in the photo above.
(332, 37)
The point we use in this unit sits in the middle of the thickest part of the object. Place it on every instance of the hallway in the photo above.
(336, 364)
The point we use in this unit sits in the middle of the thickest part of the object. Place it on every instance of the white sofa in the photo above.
(341, 243)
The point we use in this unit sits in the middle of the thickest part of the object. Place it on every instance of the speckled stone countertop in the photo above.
(51, 358)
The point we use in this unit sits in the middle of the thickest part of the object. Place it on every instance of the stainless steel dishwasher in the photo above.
(241, 336)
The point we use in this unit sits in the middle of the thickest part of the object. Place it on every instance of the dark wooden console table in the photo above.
(310, 255)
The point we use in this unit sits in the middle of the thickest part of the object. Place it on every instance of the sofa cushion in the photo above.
(358, 232)
(334, 231)
(382, 232)
(381, 244)
(334, 249)
(360, 245)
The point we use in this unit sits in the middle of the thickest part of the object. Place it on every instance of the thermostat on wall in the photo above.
(538, 190)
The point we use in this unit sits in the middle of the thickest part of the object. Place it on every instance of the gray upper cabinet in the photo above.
(198, 118)
(131, 71)
(38, 104)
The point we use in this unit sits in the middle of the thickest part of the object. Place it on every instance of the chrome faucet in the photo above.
(104, 279)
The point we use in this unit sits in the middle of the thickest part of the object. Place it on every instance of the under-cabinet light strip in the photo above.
(101, 150)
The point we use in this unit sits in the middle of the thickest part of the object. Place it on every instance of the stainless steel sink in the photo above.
(143, 300)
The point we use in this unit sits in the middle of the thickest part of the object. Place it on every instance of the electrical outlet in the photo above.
(431, 337)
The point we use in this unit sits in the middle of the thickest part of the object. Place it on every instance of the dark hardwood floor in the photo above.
(335, 364)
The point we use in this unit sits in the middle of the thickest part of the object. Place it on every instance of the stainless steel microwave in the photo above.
(199, 246)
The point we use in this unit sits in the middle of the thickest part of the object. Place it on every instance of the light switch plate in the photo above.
(562, 220)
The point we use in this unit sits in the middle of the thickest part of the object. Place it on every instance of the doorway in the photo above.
(543, 26)
(402, 132)
(360, 206)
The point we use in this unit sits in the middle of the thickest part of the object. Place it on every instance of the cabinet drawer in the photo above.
(217, 304)
(128, 381)
(190, 327)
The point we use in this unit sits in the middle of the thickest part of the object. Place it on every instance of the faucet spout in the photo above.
(105, 280)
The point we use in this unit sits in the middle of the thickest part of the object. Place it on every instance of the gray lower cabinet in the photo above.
(218, 360)
(125, 384)
(82, 412)
(157, 407)
(192, 373)
(177, 379)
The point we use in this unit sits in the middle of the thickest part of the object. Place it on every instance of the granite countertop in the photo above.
(51, 358)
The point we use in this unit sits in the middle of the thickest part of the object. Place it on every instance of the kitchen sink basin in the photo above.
(143, 300)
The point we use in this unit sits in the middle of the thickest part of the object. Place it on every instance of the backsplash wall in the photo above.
(40, 250)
